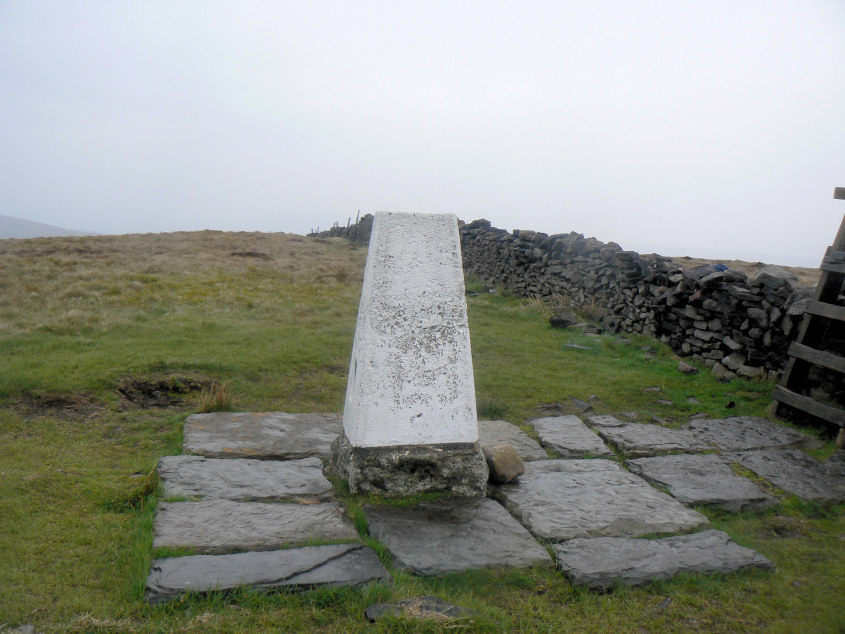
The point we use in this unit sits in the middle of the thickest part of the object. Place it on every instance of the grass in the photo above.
(107, 343)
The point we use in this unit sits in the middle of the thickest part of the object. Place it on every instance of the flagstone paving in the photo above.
(244, 479)
(702, 479)
(594, 506)
(748, 432)
(453, 535)
(561, 499)
(795, 472)
(224, 526)
(569, 437)
(273, 435)
(299, 568)
(636, 440)
(600, 563)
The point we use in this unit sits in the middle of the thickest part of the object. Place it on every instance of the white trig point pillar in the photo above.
(409, 420)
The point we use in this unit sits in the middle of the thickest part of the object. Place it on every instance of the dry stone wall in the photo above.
(735, 324)
(738, 326)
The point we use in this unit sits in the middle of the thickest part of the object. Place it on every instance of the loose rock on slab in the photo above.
(602, 562)
(453, 535)
(298, 568)
(504, 463)
(223, 526)
(244, 479)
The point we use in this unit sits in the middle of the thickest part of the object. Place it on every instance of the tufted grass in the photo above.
(87, 324)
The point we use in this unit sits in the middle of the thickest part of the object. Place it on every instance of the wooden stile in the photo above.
(813, 346)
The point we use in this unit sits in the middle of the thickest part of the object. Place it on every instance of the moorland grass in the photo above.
(272, 317)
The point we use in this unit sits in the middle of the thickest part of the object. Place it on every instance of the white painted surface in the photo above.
(410, 377)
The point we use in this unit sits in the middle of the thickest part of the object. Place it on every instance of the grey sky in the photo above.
(673, 125)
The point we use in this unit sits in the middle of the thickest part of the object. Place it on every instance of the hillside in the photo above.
(109, 342)
(11, 227)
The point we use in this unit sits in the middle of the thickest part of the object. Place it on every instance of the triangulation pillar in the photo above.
(409, 420)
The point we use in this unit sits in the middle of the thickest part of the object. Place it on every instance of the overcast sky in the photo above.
(662, 125)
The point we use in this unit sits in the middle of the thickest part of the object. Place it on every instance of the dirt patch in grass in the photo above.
(260, 255)
(783, 526)
(77, 407)
(160, 390)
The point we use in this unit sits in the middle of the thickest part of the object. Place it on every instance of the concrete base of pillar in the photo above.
(398, 471)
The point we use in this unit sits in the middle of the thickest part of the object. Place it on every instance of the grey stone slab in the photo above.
(600, 563)
(561, 499)
(636, 440)
(296, 568)
(453, 535)
(742, 433)
(501, 432)
(795, 472)
(603, 420)
(702, 479)
(273, 435)
(569, 437)
(223, 526)
(244, 479)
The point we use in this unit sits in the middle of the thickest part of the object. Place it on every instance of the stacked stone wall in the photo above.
(736, 325)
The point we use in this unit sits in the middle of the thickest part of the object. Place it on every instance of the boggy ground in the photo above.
(107, 342)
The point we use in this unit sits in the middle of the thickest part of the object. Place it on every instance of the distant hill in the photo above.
(11, 227)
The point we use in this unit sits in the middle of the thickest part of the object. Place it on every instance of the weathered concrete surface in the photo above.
(299, 568)
(569, 437)
(795, 472)
(453, 535)
(244, 479)
(223, 526)
(599, 563)
(742, 433)
(636, 440)
(562, 499)
(427, 607)
(702, 479)
(410, 376)
(398, 471)
(501, 432)
(273, 435)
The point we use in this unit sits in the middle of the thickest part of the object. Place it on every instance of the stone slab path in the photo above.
(594, 506)
(244, 479)
(557, 500)
(636, 440)
(273, 435)
(501, 432)
(600, 563)
(705, 479)
(569, 437)
(797, 473)
(454, 535)
(224, 526)
(301, 568)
